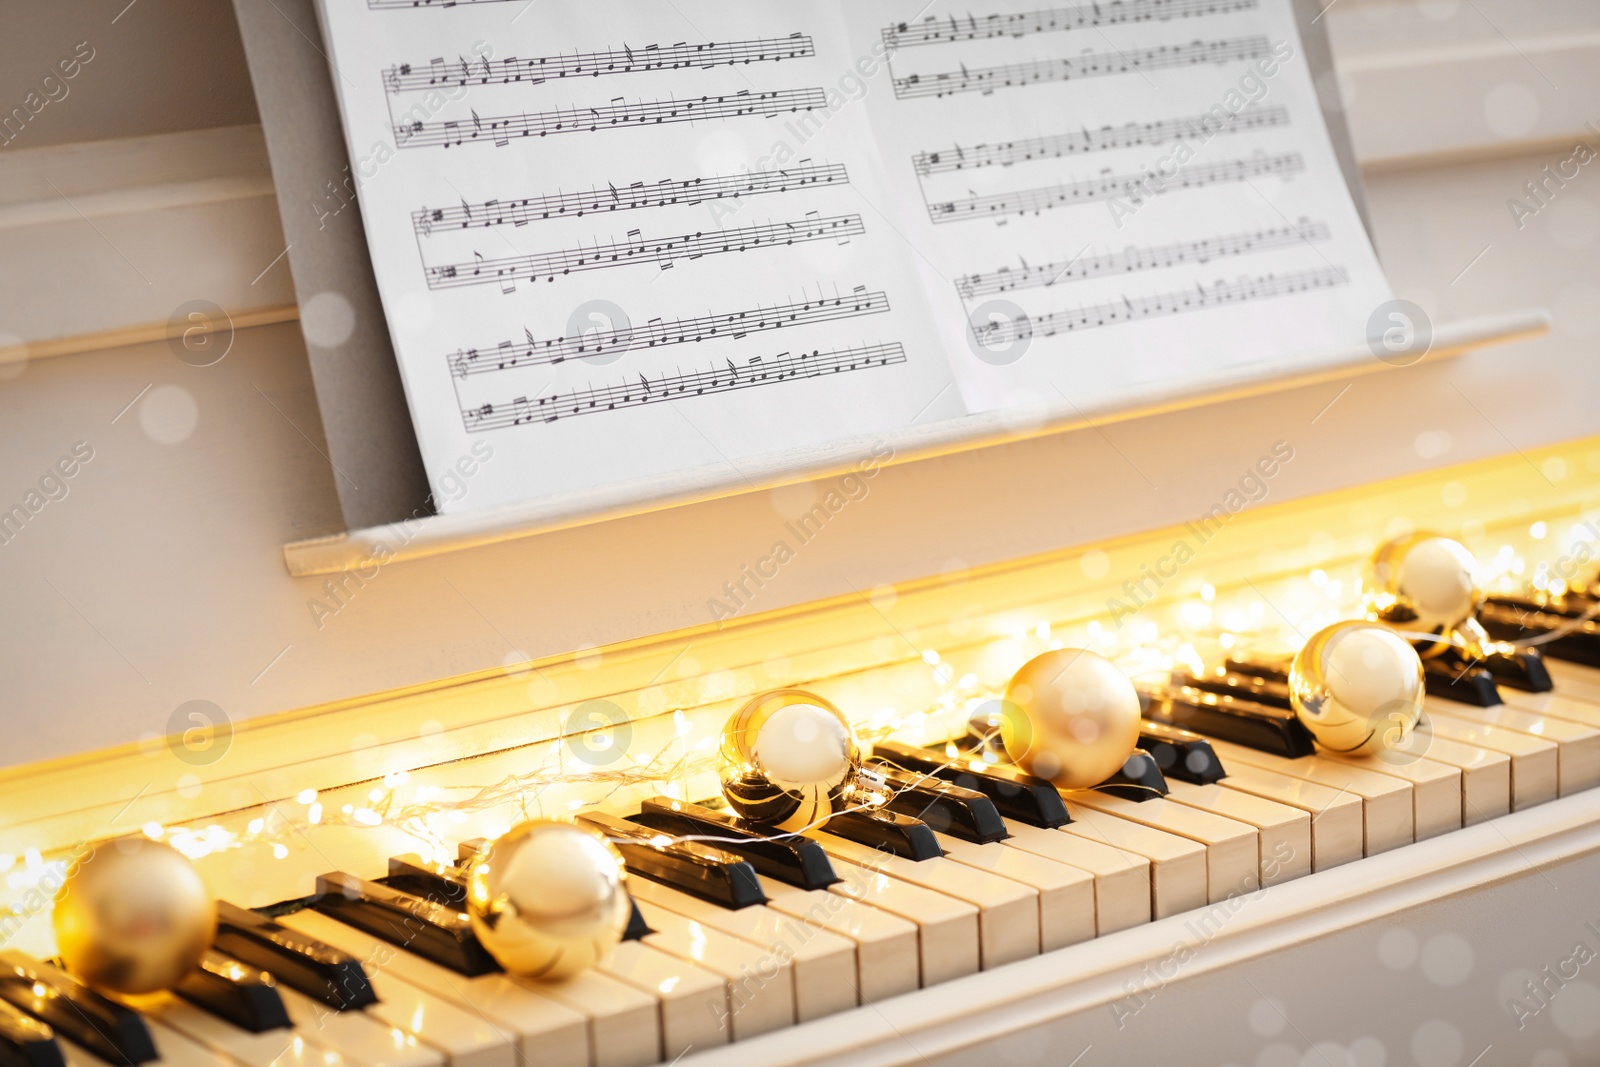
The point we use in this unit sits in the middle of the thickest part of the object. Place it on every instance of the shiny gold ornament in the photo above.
(788, 759)
(548, 899)
(134, 917)
(1072, 717)
(1358, 687)
(1428, 582)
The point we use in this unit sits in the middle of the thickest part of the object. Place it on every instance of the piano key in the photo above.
(314, 969)
(1519, 671)
(1244, 722)
(1122, 893)
(945, 808)
(1577, 746)
(788, 858)
(1008, 912)
(1574, 680)
(1178, 876)
(1485, 775)
(1436, 803)
(700, 869)
(357, 1038)
(1449, 679)
(947, 928)
(1181, 755)
(1516, 618)
(415, 997)
(244, 995)
(1387, 810)
(693, 1000)
(1284, 850)
(431, 928)
(264, 1048)
(1065, 893)
(1016, 794)
(1556, 706)
(74, 1011)
(176, 1049)
(27, 1042)
(1139, 779)
(823, 964)
(760, 984)
(887, 963)
(1337, 820)
(1535, 762)
(1232, 849)
(891, 831)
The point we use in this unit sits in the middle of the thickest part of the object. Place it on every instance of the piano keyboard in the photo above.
(749, 934)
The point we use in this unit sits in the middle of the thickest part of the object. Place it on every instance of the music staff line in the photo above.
(499, 130)
(661, 333)
(664, 193)
(407, 77)
(951, 29)
(1133, 186)
(1198, 298)
(1077, 142)
(756, 372)
(1134, 259)
(1090, 64)
(638, 249)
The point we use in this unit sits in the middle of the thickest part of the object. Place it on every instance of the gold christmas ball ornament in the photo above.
(1358, 687)
(788, 759)
(548, 898)
(134, 917)
(1426, 582)
(1072, 717)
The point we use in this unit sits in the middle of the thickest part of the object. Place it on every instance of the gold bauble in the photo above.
(1426, 582)
(134, 917)
(548, 899)
(1358, 687)
(1073, 717)
(788, 759)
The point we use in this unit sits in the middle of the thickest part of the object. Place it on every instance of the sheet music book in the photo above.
(621, 240)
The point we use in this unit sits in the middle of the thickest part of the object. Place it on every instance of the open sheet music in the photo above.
(626, 239)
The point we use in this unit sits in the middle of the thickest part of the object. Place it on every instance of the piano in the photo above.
(331, 747)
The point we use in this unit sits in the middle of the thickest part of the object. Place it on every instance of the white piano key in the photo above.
(693, 1000)
(760, 982)
(1557, 705)
(486, 1028)
(1535, 761)
(1574, 679)
(176, 1049)
(1386, 805)
(1008, 912)
(1435, 787)
(1178, 877)
(1066, 893)
(1233, 848)
(357, 1037)
(1337, 819)
(887, 963)
(1485, 774)
(1577, 745)
(823, 963)
(270, 1048)
(1122, 892)
(947, 928)
(1284, 832)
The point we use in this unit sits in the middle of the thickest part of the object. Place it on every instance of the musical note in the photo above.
(1044, 275)
(719, 378)
(1055, 146)
(663, 193)
(501, 128)
(1021, 24)
(406, 77)
(1000, 332)
(1089, 64)
(662, 250)
(1136, 187)
(660, 333)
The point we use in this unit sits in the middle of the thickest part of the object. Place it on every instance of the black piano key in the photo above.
(949, 809)
(410, 873)
(787, 857)
(27, 1042)
(637, 929)
(696, 868)
(1186, 756)
(302, 963)
(1271, 690)
(240, 993)
(1517, 618)
(1244, 722)
(886, 829)
(432, 928)
(75, 1011)
(1014, 793)
(1139, 779)
(1452, 677)
(1520, 669)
